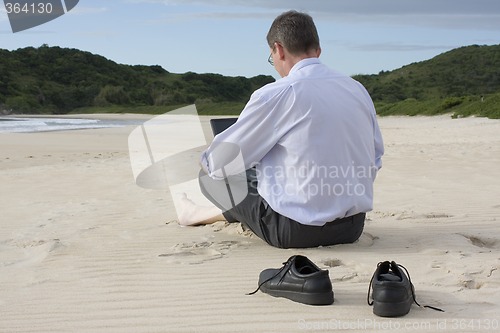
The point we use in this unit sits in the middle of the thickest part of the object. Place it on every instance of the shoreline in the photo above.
(100, 116)
(50, 123)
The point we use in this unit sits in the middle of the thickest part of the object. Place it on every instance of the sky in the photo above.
(228, 36)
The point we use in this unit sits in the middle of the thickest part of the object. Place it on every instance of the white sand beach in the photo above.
(84, 249)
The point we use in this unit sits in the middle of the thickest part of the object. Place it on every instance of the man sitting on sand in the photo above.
(310, 148)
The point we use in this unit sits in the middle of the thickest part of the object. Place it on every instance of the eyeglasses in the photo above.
(270, 59)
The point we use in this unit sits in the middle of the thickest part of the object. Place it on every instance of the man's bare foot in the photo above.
(192, 214)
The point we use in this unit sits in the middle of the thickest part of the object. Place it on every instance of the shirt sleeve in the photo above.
(377, 135)
(378, 142)
(247, 141)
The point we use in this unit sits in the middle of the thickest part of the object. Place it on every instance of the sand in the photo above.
(84, 249)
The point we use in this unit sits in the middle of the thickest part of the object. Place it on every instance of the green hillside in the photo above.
(465, 81)
(54, 80)
(59, 80)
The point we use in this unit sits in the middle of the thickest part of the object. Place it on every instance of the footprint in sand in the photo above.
(332, 262)
(472, 276)
(468, 281)
(232, 229)
(366, 239)
(413, 216)
(35, 250)
(436, 216)
(482, 242)
(198, 253)
(339, 271)
(26, 243)
(480, 278)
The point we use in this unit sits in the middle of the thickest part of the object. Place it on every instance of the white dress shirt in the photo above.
(314, 139)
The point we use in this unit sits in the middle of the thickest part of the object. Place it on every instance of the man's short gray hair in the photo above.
(295, 31)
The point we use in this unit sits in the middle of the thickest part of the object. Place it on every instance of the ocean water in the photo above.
(31, 125)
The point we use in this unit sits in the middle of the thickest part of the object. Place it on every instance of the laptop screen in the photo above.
(221, 124)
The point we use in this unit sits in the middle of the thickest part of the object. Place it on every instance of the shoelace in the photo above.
(285, 264)
(412, 290)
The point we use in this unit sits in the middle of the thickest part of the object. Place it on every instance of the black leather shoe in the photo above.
(299, 280)
(392, 291)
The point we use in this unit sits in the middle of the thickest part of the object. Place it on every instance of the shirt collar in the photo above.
(304, 63)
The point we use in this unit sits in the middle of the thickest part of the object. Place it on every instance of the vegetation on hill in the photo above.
(59, 80)
(463, 81)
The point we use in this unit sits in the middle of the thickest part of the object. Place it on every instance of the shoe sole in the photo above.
(305, 298)
(391, 309)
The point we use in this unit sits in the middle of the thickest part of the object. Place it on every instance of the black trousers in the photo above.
(275, 229)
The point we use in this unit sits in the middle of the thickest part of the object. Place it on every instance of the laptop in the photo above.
(219, 125)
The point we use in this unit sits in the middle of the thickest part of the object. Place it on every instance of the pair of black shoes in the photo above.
(300, 280)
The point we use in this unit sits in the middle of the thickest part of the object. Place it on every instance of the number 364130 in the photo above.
(38, 8)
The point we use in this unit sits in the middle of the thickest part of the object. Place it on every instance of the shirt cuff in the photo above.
(204, 163)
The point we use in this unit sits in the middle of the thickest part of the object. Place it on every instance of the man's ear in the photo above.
(318, 52)
(281, 51)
